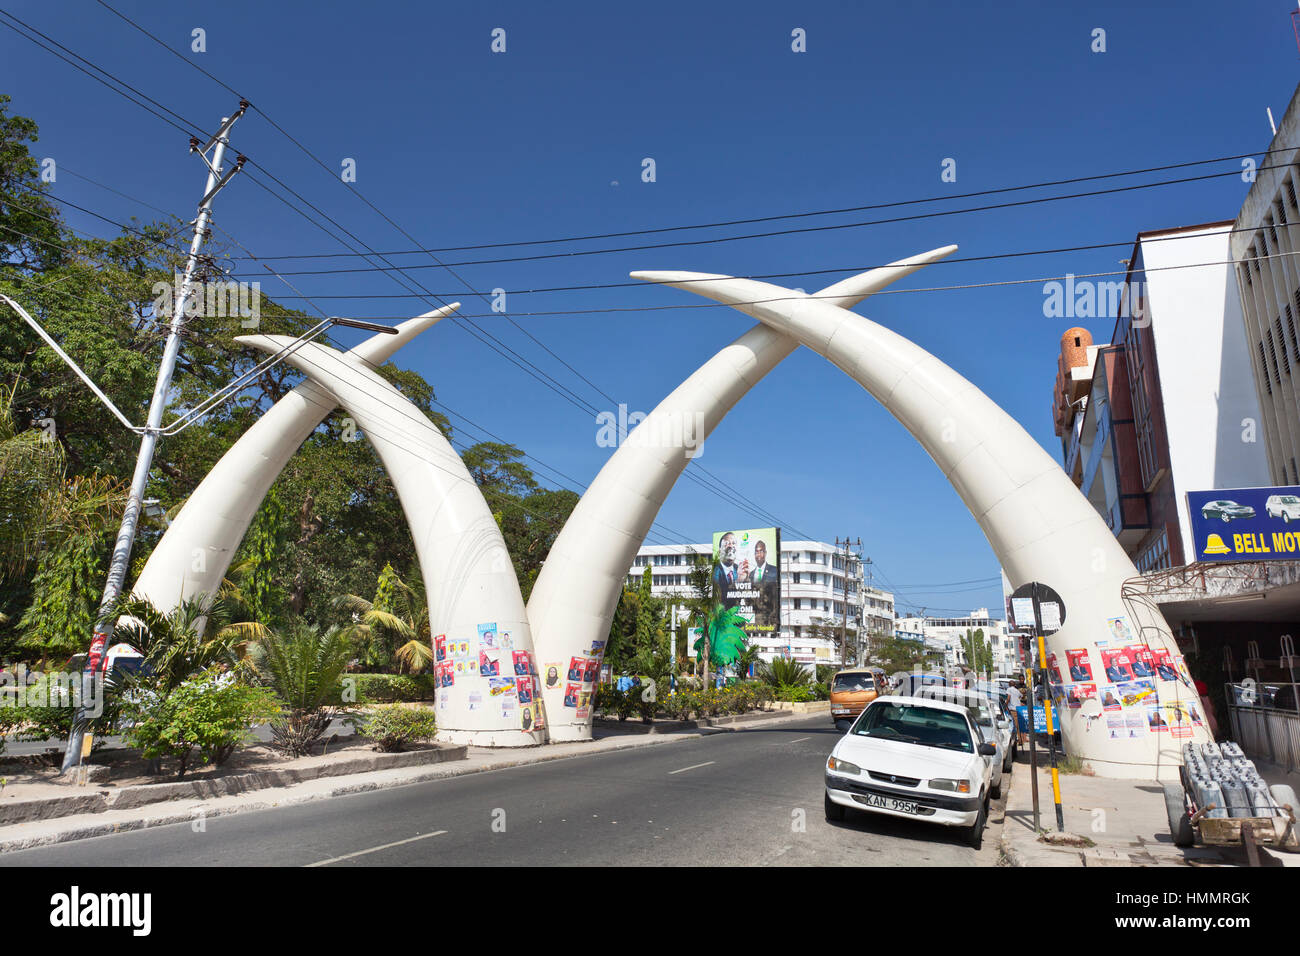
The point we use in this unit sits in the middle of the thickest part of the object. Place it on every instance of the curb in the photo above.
(141, 795)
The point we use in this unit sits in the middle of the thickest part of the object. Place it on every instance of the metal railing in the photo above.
(1265, 718)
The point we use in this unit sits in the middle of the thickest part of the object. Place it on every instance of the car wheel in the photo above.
(1180, 825)
(834, 812)
(1009, 762)
(1286, 517)
(975, 832)
(995, 790)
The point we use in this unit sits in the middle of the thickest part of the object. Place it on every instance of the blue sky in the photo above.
(462, 146)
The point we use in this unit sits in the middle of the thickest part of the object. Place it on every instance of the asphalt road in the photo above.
(744, 798)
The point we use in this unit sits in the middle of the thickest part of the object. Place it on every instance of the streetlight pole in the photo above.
(149, 437)
(844, 617)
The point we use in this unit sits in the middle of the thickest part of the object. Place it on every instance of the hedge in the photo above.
(391, 688)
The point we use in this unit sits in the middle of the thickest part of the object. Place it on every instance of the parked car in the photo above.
(984, 714)
(852, 689)
(915, 758)
(910, 683)
(1285, 507)
(1226, 510)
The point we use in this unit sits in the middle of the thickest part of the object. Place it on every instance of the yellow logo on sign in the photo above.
(1214, 545)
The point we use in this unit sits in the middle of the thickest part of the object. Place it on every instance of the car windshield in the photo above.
(1289, 499)
(915, 724)
(853, 682)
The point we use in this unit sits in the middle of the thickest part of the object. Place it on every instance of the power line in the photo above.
(371, 254)
(788, 232)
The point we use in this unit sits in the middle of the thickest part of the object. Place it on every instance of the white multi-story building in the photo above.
(813, 582)
(1264, 244)
(944, 635)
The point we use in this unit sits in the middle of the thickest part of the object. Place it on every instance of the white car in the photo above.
(1286, 507)
(913, 757)
(985, 715)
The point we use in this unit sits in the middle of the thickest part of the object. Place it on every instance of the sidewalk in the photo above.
(1123, 820)
(196, 811)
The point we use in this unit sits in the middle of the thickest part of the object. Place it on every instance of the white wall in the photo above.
(1205, 369)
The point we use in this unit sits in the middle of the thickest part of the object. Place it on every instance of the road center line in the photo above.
(800, 740)
(693, 767)
(376, 849)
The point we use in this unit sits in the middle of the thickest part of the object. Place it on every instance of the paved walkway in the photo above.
(1123, 820)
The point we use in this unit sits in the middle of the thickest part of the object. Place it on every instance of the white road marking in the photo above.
(693, 767)
(800, 740)
(376, 849)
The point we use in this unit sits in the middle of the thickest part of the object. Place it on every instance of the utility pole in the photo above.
(844, 618)
(149, 437)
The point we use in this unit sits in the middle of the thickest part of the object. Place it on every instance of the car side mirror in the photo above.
(988, 750)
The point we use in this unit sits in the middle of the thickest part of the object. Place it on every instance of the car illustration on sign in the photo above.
(1226, 510)
(1286, 507)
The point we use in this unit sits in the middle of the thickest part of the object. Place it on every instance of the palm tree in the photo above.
(304, 666)
(177, 644)
(399, 611)
(785, 672)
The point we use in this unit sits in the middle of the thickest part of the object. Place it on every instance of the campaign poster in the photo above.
(1195, 712)
(577, 668)
(590, 671)
(1076, 694)
(487, 635)
(584, 704)
(1136, 693)
(501, 686)
(1080, 666)
(505, 642)
(551, 677)
(1155, 720)
(445, 673)
(1117, 629)
(475, 700)
(523, 663)
(530, 716)
(1053, 671)
(597, 648)
(1142, 660)
(440, 648)
(524, 685)
(1179, 718)
(571, 692)
(747, 576)
(462, 656)
(1115, 726)
(1164, 665)
(1110, 700)
(489, 663)
(1135, 722)
(1116, 663)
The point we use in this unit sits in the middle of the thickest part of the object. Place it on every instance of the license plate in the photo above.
(889, 803)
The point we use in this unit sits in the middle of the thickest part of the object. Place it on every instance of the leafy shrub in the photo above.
(211, 713)
(304, 666)
(392, 688)
(393, 727)
(794, 694)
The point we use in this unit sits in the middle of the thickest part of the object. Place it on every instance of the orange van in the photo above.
(852, 689)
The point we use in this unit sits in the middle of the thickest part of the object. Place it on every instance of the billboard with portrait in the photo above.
(747, 576)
